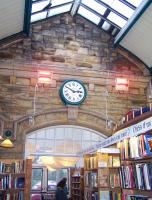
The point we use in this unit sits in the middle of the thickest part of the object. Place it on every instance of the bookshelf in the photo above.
(77, 185)
(101, 175)
(136, 160)
(136, 167)
(15, 179)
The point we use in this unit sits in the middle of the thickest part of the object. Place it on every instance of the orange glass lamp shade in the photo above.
(7, 143)
(122, 84)
(45, 77)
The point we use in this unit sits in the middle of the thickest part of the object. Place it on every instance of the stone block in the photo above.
(83, 51)
(91, 86)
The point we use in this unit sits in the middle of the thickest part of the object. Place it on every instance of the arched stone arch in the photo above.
(95, 121)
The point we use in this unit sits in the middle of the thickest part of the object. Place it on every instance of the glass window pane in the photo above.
(116, 19)
(37, 179)
(59, 133)
(68, 133)
(61, 173)
(106, 26)
(86, 144)
(77, 135)
(122, 8)
(39, 6)
(59, 2)
(49, 134)
(108, 2)
(77, 146)
(51, 183)
(86, 135)
(38, 16)
(58, 10)
(88, 15)
(59, 146)
(95, 6)
(41, 134)
(135, 2)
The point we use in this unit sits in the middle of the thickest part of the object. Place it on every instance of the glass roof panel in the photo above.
(95, 6)
(122, 8)
(108, 2)
(116, 19)
(38, 16)
(59, 2)
(39, 6)
(136, 3)
(106, 26)
(89, 15)
(59, 10)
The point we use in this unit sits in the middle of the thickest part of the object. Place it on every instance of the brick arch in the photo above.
(95, 121)
(87, 119)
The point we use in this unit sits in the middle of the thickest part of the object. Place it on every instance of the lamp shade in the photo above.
(7, 143)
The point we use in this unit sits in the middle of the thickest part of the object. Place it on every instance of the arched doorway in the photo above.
(54, 149)
(63, 140)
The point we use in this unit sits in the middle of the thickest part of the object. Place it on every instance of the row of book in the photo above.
(14, 167)
(135, 197)
(138, 176)
(8, 182)
(101, 160)
(106, 178)
(108, 195)
(90, 179)
(8, 196)
(136, 147)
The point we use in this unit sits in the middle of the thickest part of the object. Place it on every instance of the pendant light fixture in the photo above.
(7, 143)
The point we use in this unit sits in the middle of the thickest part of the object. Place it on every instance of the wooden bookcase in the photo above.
(77, 185)
(101, 174)
(135, 170)
(15, 179)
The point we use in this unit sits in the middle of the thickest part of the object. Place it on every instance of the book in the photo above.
(8, 168)
(116, 161)
(102, 160)
(148, 144)
(104, 195)
(103, 177)
(20, 182)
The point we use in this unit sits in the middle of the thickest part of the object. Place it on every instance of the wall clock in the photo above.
(8, 134)
(73, 92)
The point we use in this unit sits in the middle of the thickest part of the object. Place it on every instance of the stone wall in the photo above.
(72, 48)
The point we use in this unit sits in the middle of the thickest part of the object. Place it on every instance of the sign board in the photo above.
(134, 130)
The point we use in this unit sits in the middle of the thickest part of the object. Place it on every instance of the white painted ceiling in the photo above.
(139, 38)
(11, 17)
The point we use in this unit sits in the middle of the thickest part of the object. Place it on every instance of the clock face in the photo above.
(73, 92)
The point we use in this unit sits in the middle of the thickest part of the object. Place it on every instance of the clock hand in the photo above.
(78, 91)
(70, 89)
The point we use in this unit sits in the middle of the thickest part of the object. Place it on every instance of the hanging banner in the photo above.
(134, 130)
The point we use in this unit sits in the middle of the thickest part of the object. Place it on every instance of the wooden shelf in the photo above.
(142, 159)
(12, 174)
(137, 191)
(12, 190)
(135, 120)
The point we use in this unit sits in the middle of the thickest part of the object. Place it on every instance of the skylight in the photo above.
(110, 15)
(122, 8)
(59, 2)
(116, 19)
(59, 10)
(136, 3)
(95, 6)
(89, 15)
(39, 6)
(38, 16)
